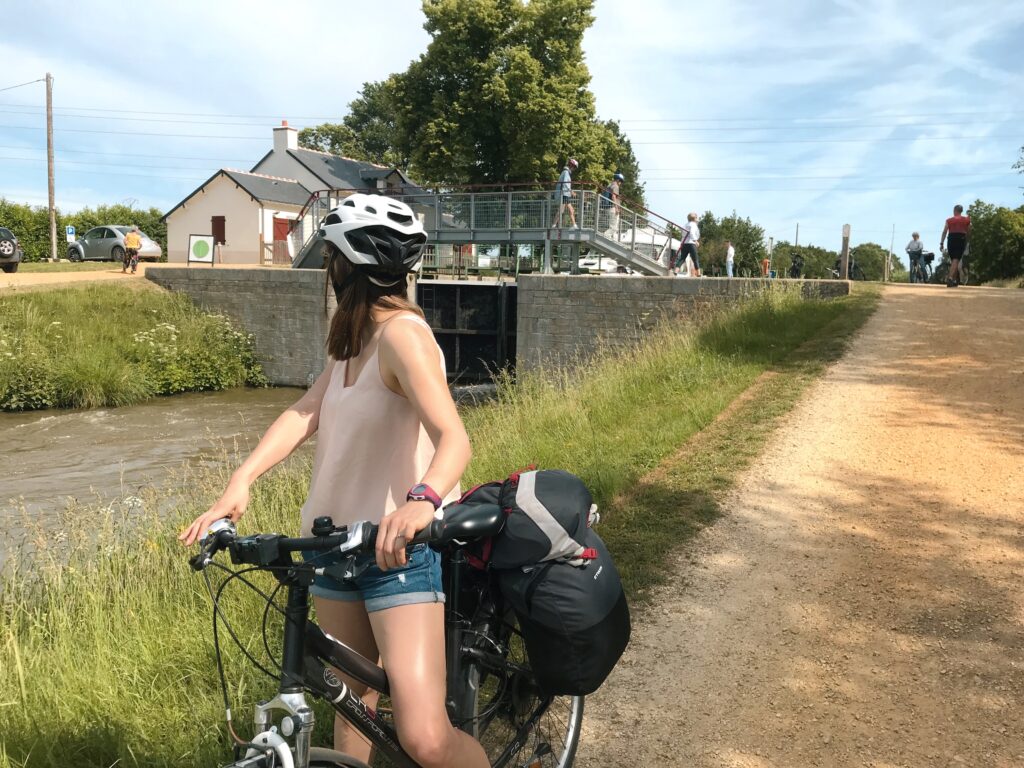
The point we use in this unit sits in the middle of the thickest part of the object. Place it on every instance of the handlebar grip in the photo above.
(426, 536)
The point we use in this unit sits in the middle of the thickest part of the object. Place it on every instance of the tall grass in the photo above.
(105, 636)
(101, 345)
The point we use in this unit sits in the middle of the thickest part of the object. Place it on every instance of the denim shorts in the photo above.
(418, 581)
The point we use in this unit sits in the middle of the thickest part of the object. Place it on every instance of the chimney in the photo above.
(285, 138)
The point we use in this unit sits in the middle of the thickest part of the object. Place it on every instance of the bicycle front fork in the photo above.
(298, 722)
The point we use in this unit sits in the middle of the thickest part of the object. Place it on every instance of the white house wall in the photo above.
(221, 197)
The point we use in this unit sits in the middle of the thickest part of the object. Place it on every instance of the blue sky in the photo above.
(873, 113)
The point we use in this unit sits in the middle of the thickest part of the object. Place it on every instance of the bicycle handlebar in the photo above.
(267, 549)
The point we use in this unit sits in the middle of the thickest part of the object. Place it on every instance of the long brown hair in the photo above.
(357, 296)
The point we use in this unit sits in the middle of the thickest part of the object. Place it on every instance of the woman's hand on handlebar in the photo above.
(398, 529)
(230, 505)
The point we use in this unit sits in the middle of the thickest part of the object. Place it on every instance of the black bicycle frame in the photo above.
(309, 653)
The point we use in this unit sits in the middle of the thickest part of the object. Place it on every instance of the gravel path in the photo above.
(861, 603)
(34, 280)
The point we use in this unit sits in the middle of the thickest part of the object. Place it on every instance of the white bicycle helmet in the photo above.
(378, 234)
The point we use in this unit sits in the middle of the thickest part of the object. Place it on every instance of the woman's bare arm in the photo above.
(410, 365)
(290, 430)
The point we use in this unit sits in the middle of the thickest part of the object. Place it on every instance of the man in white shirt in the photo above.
(730, 258)
(691, 239)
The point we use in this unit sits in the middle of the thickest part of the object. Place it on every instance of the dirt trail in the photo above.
(20, 281)
(859, 604)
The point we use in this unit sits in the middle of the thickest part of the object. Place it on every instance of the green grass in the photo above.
(1005, 282)
(66, 266)
(107, 655)
(106, 345)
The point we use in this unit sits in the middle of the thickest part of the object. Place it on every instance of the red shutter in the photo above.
(217, 226)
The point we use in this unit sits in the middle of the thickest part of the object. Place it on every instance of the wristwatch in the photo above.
(423, 492)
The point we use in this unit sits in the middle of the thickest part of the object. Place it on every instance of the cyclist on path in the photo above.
(958, 227)
(390, 447)
(132, 243)
(915, 249)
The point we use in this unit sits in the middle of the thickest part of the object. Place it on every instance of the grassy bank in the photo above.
(109, 659)
(1006, 282)
(45, 267)
(99, 345)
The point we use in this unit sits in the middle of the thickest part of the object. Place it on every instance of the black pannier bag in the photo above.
(573, 617)
(547, 510)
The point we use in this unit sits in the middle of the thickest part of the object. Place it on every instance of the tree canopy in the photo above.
(997, 241)
(501, 95)
(746, 236)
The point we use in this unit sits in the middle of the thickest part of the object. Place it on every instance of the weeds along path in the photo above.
(860, 603)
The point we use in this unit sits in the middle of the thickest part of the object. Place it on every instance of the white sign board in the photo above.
(69, 231)
(200, 249)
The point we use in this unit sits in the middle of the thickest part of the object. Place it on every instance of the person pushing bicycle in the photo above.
(915, 251)
(390, 445)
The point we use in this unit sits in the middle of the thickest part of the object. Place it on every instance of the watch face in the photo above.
(418, 490)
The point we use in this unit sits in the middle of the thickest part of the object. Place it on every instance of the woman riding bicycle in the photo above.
(390, 446)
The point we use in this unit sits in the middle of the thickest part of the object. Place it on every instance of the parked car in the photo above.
(107, 244)
(10, 252)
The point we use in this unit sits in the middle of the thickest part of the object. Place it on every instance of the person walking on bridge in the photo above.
(730, 258)
(691, 239)
(563, 194)
(610, 206)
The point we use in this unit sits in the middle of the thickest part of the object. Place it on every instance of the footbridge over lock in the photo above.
(514, 229)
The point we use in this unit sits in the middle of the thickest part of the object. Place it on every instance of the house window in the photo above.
(217, 227)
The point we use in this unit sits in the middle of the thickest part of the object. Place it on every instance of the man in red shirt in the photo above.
(958, 227)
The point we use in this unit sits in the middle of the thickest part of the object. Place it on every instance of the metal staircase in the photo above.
(634, 238)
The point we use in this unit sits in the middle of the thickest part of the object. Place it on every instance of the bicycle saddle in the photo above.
(463, 523)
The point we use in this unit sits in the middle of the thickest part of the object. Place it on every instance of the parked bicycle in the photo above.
(856, 273)
(491, 691)
(942, 270)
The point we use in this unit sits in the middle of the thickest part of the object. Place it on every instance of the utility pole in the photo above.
(796, 240)
(49, 165)
(888, 262)
(844, 258)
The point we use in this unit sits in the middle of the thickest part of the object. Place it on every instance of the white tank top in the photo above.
(371, 446)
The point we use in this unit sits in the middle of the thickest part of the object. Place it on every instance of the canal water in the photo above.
(55, 458)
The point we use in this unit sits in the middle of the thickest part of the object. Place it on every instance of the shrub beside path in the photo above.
(861, 602)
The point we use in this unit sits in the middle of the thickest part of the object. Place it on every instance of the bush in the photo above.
(100, 345)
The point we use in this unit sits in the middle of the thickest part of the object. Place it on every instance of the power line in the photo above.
(65, 114)
(136, 133)
(831, 176)
(22, 85)
(108, 165)
(762, 190)
(182, 114)
(130, 154)
(814, 119)
(141, 119)
(832, 141)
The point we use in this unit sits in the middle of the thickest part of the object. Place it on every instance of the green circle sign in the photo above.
(201, 249)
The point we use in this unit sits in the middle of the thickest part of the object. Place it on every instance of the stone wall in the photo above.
(559, 316)
(282, 308)
(563, 316)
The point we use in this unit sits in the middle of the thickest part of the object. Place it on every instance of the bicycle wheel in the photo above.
(500, 698)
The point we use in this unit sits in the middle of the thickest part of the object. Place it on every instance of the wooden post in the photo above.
(844, 258)
(49, 166)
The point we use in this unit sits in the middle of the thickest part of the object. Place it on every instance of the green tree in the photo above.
(746, 237)
(997, 241)
(500, 95)
(818, 261)
(870, 257)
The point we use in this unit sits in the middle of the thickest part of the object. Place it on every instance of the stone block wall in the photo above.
(564, 316)
(282, 308)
